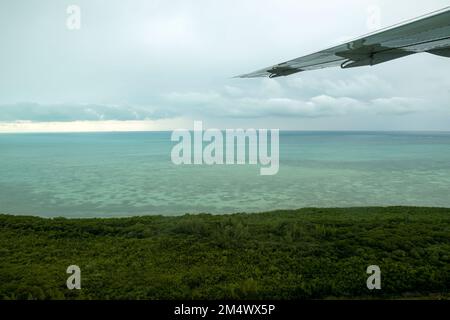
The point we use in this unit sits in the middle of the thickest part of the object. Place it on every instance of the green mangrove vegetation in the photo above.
(300, 254)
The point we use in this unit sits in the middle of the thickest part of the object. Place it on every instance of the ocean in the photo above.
(128, 174)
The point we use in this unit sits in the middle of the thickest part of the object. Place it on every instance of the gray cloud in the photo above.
(269, 99)
(73, 112)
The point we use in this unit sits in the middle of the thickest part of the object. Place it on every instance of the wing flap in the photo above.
(443, 52)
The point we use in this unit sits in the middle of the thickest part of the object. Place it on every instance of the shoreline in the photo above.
(274, 211)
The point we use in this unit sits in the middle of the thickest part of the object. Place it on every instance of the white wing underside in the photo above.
(430, 33)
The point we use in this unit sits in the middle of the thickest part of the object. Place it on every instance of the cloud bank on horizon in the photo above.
(167, 63)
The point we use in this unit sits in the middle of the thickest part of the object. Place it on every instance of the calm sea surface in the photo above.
(123, 174)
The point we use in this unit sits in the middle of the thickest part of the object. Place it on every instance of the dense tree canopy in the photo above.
(302, 254)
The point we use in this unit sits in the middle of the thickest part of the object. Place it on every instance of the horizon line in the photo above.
(281, 130)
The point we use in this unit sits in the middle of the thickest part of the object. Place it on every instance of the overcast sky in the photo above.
(150, 64)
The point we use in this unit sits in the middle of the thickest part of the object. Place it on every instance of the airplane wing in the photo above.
(429, 33)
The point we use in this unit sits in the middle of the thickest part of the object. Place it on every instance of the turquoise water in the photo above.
(123, 174)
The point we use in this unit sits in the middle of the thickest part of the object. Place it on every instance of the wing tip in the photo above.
(252, 75)
(280, 70)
